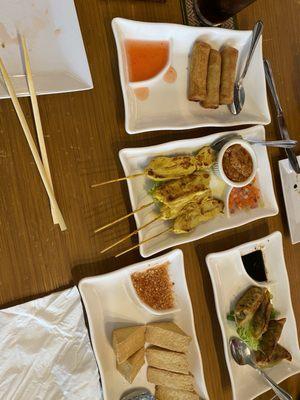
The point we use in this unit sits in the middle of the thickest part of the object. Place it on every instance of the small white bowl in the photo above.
(133, 294)
(218, 166)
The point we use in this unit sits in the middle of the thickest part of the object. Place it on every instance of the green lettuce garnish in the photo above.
(245, 333)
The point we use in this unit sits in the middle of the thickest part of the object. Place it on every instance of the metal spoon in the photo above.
(239, 91)
(244, 356)
(219, 143)
(138, 394)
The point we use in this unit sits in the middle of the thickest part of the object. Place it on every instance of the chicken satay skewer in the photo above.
(124, 178)
(195, 213)
(144, 241)
(130, 234)
(163, 168)
(166, 213)
(195, 183)
(124, 217)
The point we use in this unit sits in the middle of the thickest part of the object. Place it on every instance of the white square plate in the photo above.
(56, 50)
(290, 182)
(110, 305)
(135, 160)
(167, 106)
(230, 280)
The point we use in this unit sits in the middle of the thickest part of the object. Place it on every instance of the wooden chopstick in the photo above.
(37, 119)
(31, 144)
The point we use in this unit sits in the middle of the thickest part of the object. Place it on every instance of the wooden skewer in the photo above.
(131, 234)
(31, 144)
(37, 119)
(118, 179)
(144, 241)
(124, 217)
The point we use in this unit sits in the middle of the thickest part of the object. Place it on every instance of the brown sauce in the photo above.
(237, 163)
(255, 266)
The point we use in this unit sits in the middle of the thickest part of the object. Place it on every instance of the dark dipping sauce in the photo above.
(255, 266)
(237, 163)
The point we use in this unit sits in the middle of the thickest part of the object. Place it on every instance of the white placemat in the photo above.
(46, 352)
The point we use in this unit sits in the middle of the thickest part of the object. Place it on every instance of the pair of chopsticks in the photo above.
(41, 163)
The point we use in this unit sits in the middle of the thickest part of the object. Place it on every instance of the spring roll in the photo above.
(229, 57)
(198, 71)
(213, 80)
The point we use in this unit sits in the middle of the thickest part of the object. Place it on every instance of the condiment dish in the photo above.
(134, 295)
(218, 166)
(155, 79)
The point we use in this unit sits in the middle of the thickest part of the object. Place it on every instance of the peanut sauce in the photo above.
(237, 163)
(154, 287)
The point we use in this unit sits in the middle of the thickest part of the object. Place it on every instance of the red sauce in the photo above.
(170, 76)
(142, 93)
(145, 58)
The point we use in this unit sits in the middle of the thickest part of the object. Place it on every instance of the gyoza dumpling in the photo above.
(247, 305)
(279, 354)
(270, 338)
(261, 318)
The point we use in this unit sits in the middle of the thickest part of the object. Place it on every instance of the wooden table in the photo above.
(84, 132)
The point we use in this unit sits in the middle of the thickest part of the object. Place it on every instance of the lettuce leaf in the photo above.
(245, 333)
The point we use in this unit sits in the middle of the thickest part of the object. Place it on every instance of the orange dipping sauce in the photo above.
(145, 58)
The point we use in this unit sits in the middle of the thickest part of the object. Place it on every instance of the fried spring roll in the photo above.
(198, 71)
(213, 80)
(229, 57)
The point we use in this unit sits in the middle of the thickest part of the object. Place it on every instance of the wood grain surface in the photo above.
(84, 132)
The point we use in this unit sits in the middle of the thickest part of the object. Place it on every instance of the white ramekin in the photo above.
(218, 165)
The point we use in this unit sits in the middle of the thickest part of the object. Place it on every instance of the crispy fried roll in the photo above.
(198, 71)
(229, 57)
(213, 80)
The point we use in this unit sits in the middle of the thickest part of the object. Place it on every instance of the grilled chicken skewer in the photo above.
(166, 213)
(193, 214)
(172, 194)
(162, 169)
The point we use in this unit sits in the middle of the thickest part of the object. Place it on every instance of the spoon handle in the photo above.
(281, 393)
(275, 143)
(257, 31)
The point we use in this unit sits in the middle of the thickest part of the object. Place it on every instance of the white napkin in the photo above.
(45, 351)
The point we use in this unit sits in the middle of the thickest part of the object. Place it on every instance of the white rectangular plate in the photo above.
(290, 182)
(109, 305)
(56, 50)
(135, 160)
(167, 106)
(230, 280)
